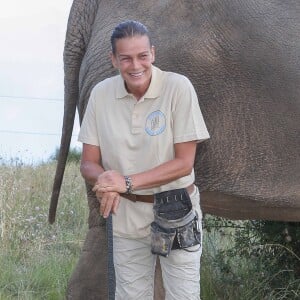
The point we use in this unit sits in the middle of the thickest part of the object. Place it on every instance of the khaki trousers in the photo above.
(135, 265)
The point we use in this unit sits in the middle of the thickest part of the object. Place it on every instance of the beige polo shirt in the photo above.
(135, 136)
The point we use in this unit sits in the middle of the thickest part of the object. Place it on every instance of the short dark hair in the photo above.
(128, 29)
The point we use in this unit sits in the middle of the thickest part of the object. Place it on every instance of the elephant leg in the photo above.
(89, 280)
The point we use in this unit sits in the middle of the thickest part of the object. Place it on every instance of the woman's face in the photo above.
(134, 57)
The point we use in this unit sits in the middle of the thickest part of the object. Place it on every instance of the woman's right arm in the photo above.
(90, 167)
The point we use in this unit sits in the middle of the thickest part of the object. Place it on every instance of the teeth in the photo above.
(136, 74)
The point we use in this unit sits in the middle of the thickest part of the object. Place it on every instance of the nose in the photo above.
(135, 63)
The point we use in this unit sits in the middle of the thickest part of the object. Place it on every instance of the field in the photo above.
(36, 259)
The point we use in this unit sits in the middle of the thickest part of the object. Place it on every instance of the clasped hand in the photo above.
(108, 187)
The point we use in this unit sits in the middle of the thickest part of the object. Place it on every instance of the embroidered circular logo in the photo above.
(155, 123)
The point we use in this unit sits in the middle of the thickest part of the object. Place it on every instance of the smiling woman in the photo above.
(133, 57)
(132, 116)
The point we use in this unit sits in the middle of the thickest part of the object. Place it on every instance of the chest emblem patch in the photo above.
(155, 123)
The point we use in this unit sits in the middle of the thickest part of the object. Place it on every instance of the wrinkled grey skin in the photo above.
(243, 58)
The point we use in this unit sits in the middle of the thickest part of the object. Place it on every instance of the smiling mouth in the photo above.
(137, 75)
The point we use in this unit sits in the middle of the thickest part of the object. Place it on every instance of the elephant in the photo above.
(243, 58)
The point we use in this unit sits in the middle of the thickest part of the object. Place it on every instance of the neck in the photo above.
(138, 93)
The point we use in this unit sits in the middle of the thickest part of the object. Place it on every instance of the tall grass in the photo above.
(36, 259)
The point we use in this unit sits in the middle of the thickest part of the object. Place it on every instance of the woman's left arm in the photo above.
(180, 166)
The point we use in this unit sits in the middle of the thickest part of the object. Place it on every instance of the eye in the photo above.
(144, 56)
(124, 58)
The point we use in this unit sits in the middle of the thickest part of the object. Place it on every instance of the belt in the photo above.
(150, 198)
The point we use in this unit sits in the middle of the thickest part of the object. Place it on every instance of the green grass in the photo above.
(37, 259)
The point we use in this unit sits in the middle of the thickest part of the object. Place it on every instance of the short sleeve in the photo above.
(188, 122)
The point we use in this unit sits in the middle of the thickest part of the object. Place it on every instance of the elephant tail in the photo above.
(79, 29)
(68, 122)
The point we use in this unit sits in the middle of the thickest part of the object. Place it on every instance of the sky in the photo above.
(32, 34)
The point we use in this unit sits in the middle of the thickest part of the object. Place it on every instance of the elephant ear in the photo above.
(79, 28)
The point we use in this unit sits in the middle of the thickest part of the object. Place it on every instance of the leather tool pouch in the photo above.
(176, 224)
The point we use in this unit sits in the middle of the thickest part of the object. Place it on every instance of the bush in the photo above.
(74, 155)
(260, 259)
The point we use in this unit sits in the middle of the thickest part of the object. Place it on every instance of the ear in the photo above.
(153, 54)
(114, 60)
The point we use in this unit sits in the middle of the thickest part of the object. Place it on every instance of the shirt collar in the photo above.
(153, 90)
